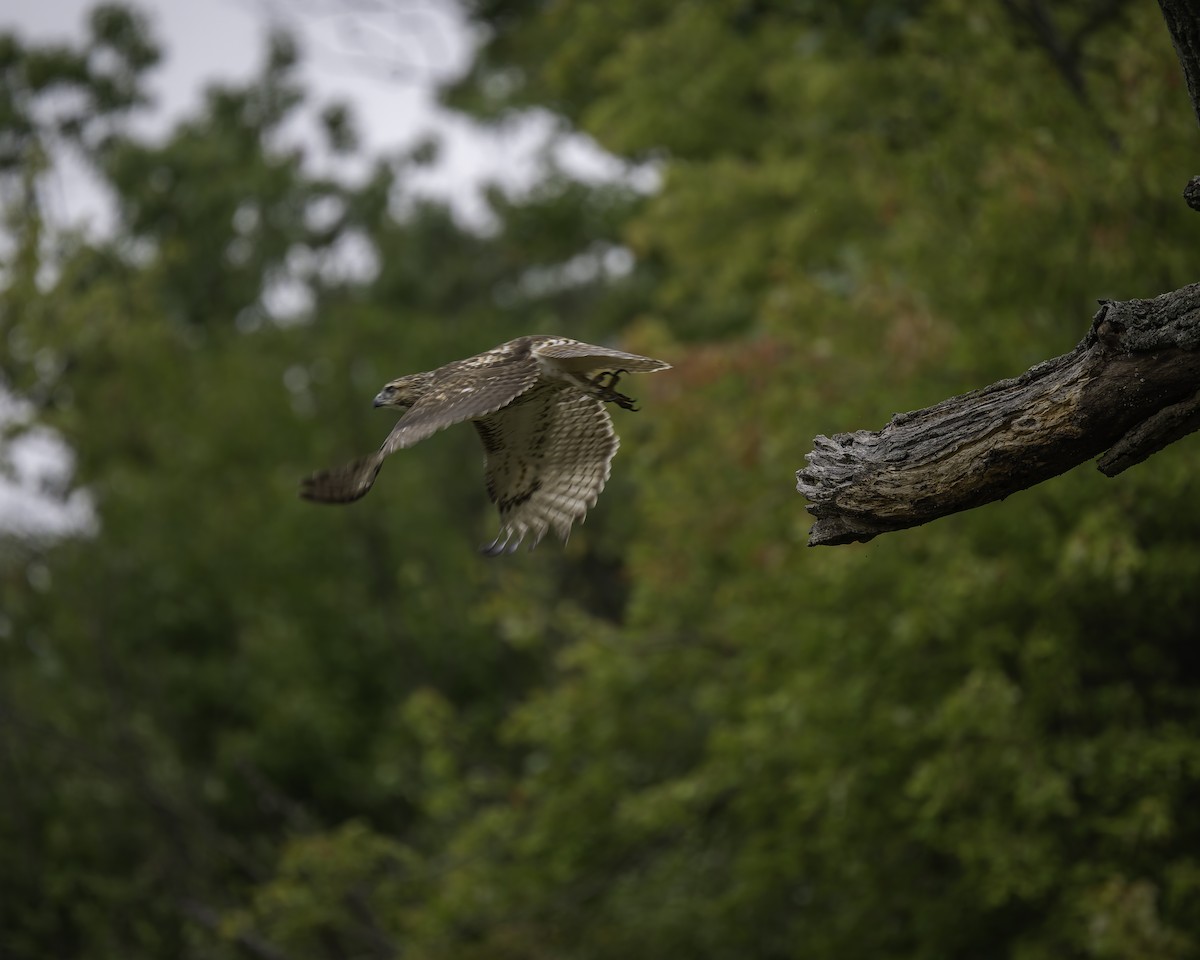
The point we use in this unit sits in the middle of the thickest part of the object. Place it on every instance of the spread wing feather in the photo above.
(456, 393)
(588, 357)
(460, 392)
(548, 458)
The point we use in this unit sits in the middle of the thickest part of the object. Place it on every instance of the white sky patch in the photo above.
(35, 476)
(602, 259)
(384, 58)
(351, 259)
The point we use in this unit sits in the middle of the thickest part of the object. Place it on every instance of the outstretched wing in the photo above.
(548, 457)
(458, 391)
(589, 358)
(465, 390)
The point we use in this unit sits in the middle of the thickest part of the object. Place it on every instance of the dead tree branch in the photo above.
(1130, 387)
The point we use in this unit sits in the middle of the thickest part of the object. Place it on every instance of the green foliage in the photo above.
(54, 91)
(234, 724)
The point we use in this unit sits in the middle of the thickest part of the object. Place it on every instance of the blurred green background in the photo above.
(236, 725)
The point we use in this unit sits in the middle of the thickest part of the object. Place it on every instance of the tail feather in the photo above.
(343, 484)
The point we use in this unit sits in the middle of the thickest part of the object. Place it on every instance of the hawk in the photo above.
(538, 405)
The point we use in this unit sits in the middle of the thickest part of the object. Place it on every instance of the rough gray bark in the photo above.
(1128, 389)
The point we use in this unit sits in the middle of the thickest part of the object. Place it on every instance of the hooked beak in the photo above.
(380, 400)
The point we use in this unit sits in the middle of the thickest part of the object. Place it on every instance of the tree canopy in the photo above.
(234, 725)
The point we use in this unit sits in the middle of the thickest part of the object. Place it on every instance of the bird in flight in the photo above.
(538, 406)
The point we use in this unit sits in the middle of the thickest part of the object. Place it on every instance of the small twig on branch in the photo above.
(1130, 387)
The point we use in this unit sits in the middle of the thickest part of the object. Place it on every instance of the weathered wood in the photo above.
(1129, 387)
(1191, 193)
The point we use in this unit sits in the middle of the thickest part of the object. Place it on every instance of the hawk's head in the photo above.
(402, 392)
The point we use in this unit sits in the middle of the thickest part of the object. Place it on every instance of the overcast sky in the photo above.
(383, 57)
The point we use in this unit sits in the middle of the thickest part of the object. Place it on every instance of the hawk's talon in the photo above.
(614, 377)
(609, 395)
(606, 383)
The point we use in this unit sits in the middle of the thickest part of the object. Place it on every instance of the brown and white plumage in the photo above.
(538, 406)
